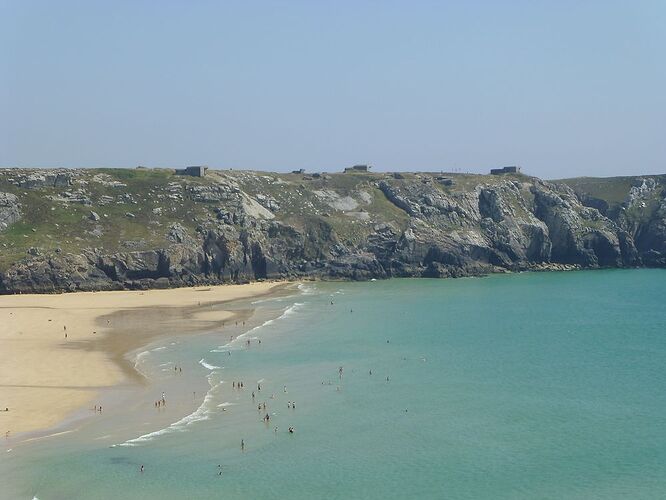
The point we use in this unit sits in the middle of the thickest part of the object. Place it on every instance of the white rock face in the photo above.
(254, 209)
(337, 202)
(9, 210)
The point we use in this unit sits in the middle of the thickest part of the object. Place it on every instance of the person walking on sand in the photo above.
(242, 445)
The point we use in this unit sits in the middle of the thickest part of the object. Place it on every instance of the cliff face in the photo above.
(109, 229)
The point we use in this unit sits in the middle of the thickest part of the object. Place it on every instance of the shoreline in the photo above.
(59, 352)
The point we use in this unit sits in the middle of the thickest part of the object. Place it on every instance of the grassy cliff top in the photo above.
(74, 210)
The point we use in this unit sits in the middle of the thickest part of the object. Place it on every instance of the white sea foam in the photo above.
(286, 313)
(39, 438)
(307, 290)
(203, 363)
(139, 359)
(198, 415)
(159, 348)
(225, 404)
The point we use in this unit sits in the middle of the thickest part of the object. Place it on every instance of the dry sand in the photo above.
(44, 376)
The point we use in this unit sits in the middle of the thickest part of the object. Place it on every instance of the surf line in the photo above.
(286, 313)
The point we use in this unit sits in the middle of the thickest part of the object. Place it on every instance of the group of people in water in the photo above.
(161, 403)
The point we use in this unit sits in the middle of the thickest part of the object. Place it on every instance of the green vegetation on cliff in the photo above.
(110, 228)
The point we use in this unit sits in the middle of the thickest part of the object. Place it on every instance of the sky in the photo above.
(561, 88)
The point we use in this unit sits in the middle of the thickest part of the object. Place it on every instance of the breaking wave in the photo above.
(286, 313)
(203, 363)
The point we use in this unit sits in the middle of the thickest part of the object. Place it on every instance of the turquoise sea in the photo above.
(536, 385)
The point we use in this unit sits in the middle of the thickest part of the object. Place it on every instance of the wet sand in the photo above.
(45, 376)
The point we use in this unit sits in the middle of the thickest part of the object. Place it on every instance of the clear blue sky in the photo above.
(562, 88)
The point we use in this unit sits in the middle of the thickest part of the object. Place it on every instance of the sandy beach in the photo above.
(58, 351)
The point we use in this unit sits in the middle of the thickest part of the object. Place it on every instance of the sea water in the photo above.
(540, 385)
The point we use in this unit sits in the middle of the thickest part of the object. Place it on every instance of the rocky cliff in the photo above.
(103, 229)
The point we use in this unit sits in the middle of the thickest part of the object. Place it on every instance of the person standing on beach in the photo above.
(242, 445)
